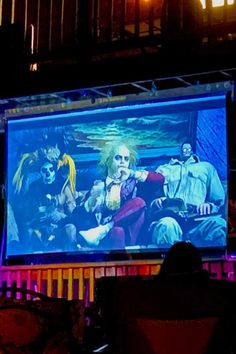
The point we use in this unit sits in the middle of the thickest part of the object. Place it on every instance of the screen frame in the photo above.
(159, 105)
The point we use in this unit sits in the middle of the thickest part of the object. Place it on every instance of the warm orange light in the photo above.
(216, 3)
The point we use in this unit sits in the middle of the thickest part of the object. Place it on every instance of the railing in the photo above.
(73, 27)
(69, 24)
(77, 281)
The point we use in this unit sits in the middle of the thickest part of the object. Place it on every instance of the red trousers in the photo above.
(128, 221)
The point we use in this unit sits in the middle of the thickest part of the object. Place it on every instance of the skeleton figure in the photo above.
(49, 200)
(44, 185)
(52, 160)
(48, 173)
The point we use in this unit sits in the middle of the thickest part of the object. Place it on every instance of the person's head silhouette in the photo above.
(182, 257)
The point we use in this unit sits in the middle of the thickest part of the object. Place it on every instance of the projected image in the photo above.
(103, 182)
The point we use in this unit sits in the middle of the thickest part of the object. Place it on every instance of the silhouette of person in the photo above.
(182, 257)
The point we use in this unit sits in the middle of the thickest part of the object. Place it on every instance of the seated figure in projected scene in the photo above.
(112, 215)
(192, 204)
(47, 200)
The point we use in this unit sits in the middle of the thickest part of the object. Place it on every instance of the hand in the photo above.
(123, 173)
(158, 202)
(51, 199)
(204, 209)
(97, 189)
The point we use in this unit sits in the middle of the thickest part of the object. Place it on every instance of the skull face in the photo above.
(48, 173)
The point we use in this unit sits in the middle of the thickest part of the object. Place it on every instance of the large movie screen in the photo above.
(128, 179)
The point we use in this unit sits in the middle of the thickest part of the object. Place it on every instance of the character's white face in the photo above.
(48, 173)
(121, 159)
